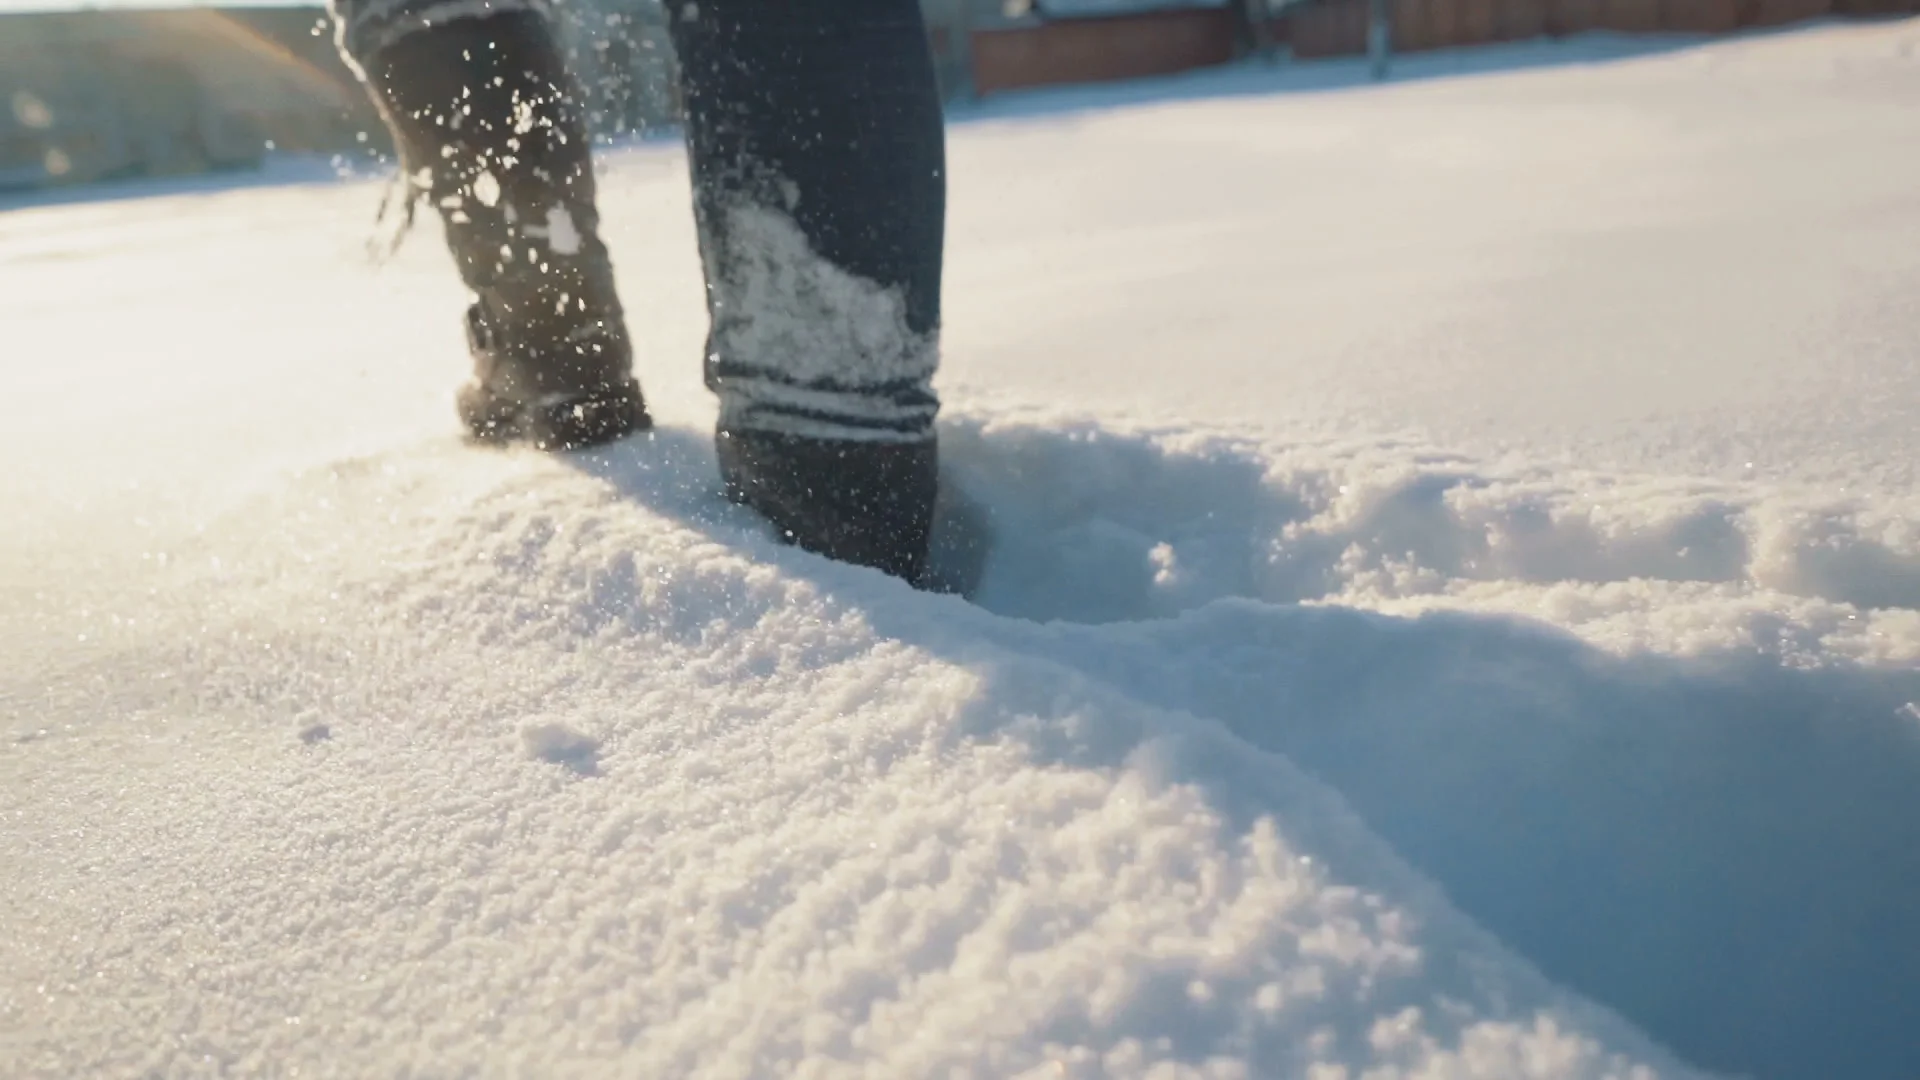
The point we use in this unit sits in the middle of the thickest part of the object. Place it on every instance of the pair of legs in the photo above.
(817, 150)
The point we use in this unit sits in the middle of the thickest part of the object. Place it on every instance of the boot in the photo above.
(869, 503)
(481, 109)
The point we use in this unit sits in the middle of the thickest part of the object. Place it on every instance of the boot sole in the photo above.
(565, 424)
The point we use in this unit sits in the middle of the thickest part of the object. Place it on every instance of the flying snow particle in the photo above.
(486, 189)
(31, 111)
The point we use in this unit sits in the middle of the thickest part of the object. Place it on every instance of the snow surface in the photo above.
(1445, 564)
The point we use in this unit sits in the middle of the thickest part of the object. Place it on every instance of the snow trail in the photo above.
(828, 823)
(1692, 815)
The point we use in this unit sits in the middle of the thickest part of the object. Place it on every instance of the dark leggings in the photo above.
(817, 146)
(828, 114)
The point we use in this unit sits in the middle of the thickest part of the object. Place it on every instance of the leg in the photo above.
(817, 144)
(485, 116)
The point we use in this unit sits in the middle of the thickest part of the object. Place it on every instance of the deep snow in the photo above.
(1445, 575)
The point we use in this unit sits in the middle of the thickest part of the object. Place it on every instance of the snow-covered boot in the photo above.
(484, 113)
(869, 503)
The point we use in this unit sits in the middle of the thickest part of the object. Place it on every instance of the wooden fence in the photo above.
(1098, 50)
(1160, 43)
(1322, 28)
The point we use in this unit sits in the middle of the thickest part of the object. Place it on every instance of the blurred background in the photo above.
(110, 91)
